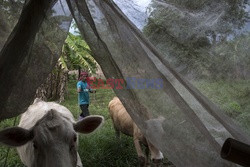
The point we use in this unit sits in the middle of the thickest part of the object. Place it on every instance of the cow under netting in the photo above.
(191, 42)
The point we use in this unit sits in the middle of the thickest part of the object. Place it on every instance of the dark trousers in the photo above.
(85, 110)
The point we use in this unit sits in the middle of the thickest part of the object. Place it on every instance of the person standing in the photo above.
(83, 90)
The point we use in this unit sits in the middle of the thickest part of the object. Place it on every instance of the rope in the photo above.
(8, 150)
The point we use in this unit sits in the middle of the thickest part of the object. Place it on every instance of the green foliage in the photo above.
(234, 106)
(12, 9)
(76, 53)
(100, 149)
(197, 44)
(231, 58)
(244, 120)
(232, 97)
(186, 14)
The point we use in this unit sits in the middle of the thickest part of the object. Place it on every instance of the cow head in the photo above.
(53, 139)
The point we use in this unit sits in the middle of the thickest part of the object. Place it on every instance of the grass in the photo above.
(98, 149)
(9, 156)
(102, 149)
(232, 96)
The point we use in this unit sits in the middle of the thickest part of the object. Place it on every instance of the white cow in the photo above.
(123, 123)
(47, 135)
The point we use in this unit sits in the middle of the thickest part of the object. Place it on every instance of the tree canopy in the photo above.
(76, 53)
(190, 34)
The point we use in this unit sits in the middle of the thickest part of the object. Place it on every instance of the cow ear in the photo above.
(89, 124)
(15, 136)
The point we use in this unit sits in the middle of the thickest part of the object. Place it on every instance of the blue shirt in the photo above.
(83, 96)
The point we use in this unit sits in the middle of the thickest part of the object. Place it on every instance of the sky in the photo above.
(134, 9)
(142, 3)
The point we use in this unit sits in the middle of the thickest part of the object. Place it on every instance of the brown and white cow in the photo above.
(123, 123)
(47, 135)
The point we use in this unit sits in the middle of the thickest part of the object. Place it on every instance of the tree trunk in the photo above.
(55, 86)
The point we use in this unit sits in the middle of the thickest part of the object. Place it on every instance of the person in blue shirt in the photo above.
(83, 90)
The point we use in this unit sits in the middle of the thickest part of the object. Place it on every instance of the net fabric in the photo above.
(12, 11)
(177, 118)
(195, 34)
(30, 51)
(186, 125)
(207, 41)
